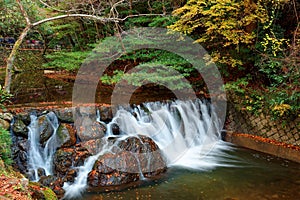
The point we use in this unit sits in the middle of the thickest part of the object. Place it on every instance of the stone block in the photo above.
(284, 138)
(269, 134)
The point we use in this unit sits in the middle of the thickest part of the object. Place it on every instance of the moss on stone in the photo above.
(49, 194)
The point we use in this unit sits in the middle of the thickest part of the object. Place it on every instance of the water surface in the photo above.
(255, 176)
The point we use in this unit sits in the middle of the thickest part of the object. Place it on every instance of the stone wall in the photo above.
(242, 121)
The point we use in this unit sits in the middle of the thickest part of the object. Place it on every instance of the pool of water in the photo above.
(254, 176)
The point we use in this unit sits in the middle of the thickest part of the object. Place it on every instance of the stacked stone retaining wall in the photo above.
(242, 121)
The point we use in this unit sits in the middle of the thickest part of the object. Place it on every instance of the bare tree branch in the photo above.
(102, 19)
(139, 15)
(24, 13)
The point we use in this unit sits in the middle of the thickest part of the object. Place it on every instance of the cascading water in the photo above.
(187, 133)
(80, 184)
(41, 157)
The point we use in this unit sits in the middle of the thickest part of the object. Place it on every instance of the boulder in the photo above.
(53, 183)
(147, 152)
(105, 113)
(66, 159)
(97, 145)
(93, 146)
(19, 128)
(66, 135)
(106, 172)
(19, 153)
(89, 129)
(115, 129)
(65, 115)
(130, 160)
(5, 120)
(89, 111)
(41, 172)
(45, 129)
(24, 117)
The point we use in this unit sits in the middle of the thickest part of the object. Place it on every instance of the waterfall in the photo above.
(41, 157)
(80, 184)
(187, 132)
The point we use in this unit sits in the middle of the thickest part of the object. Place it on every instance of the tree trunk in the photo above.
(11, 58)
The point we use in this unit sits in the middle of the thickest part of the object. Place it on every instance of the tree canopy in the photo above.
(255, 43)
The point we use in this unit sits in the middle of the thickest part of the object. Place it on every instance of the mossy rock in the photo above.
(40, 192)
(49, 194)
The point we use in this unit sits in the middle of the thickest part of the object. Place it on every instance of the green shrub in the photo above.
(5, 142)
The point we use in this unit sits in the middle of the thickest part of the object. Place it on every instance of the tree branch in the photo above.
(102, 19)
(24, 13)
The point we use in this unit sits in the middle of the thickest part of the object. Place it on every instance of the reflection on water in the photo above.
(256, 176)
(36, 86)
(33, 87)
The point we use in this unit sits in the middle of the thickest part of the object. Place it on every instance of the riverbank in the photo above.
(265, 145)
(15, 186)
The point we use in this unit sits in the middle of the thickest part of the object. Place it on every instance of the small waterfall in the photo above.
(188, 133)
(79, 186)
(39, 157)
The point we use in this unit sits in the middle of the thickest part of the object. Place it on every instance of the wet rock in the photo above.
(115, 129)
(89, 111)
(66, 159)
(93, 146)
(54, 183)
(37, 191)
(30, 174)
(105, 113)
(24, 117)
(106, 172)
(19, 128)
(41, 172)
(45, 129)
(63, 161)
(65, 115)
(89, 129)
(132, 158)
(70, 176)
(23, 145)
(66, 135)
(19, 153)
(47, 180)
(147, 152)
